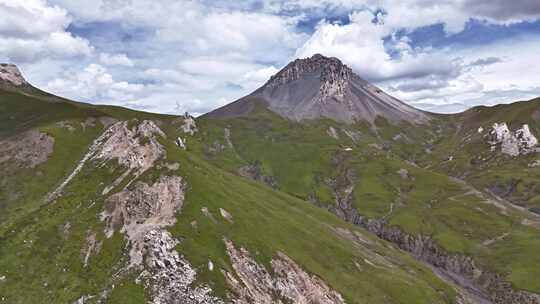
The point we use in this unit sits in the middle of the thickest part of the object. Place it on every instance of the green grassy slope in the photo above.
(310, 164)
(42, 244)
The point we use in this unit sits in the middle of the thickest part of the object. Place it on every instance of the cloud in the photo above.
(31, 18)
(198, 55)
(361, 44)
(32, 29)
(115, 59)
(95, 84)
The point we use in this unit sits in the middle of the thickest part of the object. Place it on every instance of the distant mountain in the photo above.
(320, 86)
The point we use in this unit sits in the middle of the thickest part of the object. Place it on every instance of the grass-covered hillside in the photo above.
(79, 243)
(426, 181)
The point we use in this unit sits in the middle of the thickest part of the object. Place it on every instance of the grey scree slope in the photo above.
(320, 87)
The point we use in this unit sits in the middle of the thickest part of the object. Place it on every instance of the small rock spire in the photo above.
(10, 74)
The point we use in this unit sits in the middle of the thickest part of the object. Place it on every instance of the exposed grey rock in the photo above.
(227, 136)
(252, 283)
(92, 246)
(519, 142)
(66, 229)
(320, 87)
(28, 149)
(142, 214)
(168, 276)
(403, 173)
(188, 125)
(180, 143)
(137, 150)
(332, 132)
(146, 207)
(534, 164)
(226, 215)
(9, 73)
(208, 214)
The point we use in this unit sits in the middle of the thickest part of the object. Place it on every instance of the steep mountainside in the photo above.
(297, 193)
(320, 87)
(107, 205)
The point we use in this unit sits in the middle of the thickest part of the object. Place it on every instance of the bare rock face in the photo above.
(10, 75)
(252, 283)
(91, 247)
(323, 87)
(332, 132)
(146, 207)
(137, 149)
(168, 276)
(27, 150)
(519, 142)
(125, 145)
(189, 126)
(142, 215)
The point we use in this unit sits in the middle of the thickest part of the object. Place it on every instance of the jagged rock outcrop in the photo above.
(288, 283)
(27, 150)
(146, 207)
(323, 87)
(227, 137)
(142, 215)
(188, 124)
(168, 276)
(11, 76)
(519, 142)
(331, 131)
(136, 149)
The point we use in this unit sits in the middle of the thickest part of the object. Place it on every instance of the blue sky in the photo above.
(176, 56)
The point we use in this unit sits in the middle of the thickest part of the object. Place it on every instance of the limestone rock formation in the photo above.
(142, 214)
(252, 283)
(10, 75)
(519, 142)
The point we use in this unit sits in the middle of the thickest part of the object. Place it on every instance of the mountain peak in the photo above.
(330, 67)
(11, 75)
(324, 87)
(333, 75)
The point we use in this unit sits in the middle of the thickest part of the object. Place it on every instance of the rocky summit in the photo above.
(316, 188)
(10, 75)
(324, 87)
